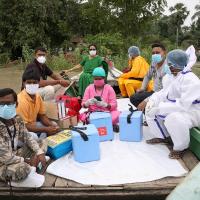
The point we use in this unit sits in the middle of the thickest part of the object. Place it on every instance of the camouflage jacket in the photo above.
(7, 153)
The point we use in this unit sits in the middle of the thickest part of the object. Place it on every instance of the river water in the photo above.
(11, 77)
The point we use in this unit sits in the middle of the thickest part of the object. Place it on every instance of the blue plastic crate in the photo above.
(85, 151)
(103, 123)
(131, 132)
(59, 144)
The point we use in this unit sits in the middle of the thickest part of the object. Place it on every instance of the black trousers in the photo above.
(138, 97)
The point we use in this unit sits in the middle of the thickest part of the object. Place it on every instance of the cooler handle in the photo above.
(129, 115)
(79, 130)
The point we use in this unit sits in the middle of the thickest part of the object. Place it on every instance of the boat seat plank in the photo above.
(190, 160)
(168, 182)
(76, 185)
(109, 187)
(61, 182)
(66, 183)
(49, 180)
(3, 184)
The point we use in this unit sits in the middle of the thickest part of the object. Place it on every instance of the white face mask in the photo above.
(130, 56)
(41, 59)
(93, 52)
(31, 88)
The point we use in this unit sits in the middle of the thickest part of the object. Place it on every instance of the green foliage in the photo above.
(146, 53)
(107, 43)
(132, 17)
(58, 62)
(120, 61)
(96, 17)
(195, 33)
(196, 70)
(179, 14)
(27, 54)
(171, 26)
(49, 23)
(113, 25)
(37, 23)
(4, 58)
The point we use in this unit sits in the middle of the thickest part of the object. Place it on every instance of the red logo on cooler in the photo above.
(102, 131)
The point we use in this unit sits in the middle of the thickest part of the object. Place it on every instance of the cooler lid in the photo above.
(91, 130)
(99, 115)
(135, 114)
(59, 138)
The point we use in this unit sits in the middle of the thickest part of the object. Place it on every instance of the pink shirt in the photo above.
(107, 95)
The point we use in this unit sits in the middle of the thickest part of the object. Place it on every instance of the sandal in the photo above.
(144, 123)
(176, 154)
(157, 141)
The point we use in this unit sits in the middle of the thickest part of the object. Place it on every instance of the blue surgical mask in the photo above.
(7, 111)
(166, 69)
(156, 58)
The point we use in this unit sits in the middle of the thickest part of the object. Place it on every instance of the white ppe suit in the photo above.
(191, 57)
(175, 109)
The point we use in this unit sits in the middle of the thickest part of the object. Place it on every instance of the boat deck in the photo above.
(55, 187)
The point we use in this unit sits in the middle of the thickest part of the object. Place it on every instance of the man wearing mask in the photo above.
(156, 72)
(15, 164)
(31, 107)
(132, 79)
(48, 88)
(175, 109)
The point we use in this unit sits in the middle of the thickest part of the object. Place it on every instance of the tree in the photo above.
(35, 23)
(95, 17)
(197, 13)
(25, 22)
(51, 23)
(195, 28)
(178, 16)
(133, 16)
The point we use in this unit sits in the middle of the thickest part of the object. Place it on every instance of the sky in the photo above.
(190, 4)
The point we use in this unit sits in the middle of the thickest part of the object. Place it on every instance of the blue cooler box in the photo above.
(131, 132)
(59, 144)
(103, 123)
(85, 151)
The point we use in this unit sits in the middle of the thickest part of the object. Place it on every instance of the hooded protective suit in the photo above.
(175, 109)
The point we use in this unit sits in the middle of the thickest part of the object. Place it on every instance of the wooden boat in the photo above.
(59, 188)
(188, 188)
(56, 187)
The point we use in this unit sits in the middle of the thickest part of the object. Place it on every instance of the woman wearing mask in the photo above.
(100, 97)
(31, 107)
(89, 63)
